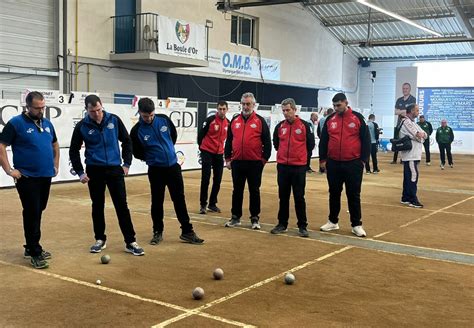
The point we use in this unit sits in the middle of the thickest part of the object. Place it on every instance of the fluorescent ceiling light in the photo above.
(403, 19)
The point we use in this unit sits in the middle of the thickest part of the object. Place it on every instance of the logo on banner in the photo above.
(181, 158)
(182, 32)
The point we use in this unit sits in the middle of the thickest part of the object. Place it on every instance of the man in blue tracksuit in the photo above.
(101, 132)
(35, 161)
(153, 139)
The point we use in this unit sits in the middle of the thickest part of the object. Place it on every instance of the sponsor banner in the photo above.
(238, 65)
(180, 38)
(159, 103)
(78, 97)
(176, 103)
(64, 117)
(50, 96)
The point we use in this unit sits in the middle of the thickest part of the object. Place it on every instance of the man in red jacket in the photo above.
(293, 139)
(343, 151)
(211, 140)
(247, 149)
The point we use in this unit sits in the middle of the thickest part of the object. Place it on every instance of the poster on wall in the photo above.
(180, 38)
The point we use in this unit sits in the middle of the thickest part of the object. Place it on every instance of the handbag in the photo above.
(401, 144)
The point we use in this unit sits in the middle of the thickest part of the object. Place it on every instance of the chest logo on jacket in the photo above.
(30, 130)
(216, 127)
(351, 125)
(47, 129)
(283, 131)
(298, 131)
(164, 128)
(110, 126)
(333, 125)
(91, 132)
(146, 137)
(253, 125)
(237, 125)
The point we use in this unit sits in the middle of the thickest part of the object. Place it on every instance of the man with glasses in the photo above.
(35, 161)
(101, 131)
(343, 151)
(247, 150)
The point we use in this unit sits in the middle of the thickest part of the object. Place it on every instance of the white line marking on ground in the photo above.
(256, 285)
(126, 294)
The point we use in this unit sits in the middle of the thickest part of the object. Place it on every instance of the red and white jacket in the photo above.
(344, 137)
(248, 139)
(293, 142)
(211, 137)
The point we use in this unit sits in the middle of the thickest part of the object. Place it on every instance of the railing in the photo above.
(135, 33)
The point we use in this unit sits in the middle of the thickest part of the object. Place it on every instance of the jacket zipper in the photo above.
(340, 140)
(243, 135)
(159, 140)
(288, 151)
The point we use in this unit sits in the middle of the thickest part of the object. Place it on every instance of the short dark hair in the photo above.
(223, 103)
(33, 95)
(339, 97)
(92, 100)
(406, 83)
(422, 116)
(146, 105)
(371, 116)
(410, 108)
(329, 111)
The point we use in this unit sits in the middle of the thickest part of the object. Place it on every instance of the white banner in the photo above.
(65, 116)
(179, 38)
(232, 64)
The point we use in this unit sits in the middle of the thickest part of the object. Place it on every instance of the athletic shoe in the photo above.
(302, 232)
(38, 262)
(157, 238)
(367, 172)
(451, 165)
(255, 223)
(442, 167)
(202, 210)
(233, 222)
(416, 204)
(376, 171)
(359, 231)
(279, 229)
(428, 164)
(214, 209)
(393, 162)
(309, 171)
(405, 202)
(134, 249)
(191, 238)
(98, 246)
(44, 254)
(329, 226)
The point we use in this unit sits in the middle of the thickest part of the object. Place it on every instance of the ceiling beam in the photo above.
(228, 5)
(380, 18)
(463, 20)
(411, 42)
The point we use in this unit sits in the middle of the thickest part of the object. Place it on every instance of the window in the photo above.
(243, 30)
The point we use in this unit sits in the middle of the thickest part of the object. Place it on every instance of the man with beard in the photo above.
(35, 160)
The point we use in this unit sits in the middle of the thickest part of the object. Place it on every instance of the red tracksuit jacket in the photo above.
(212, 135)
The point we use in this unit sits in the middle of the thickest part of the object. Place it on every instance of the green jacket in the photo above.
(444, 135)
(426, 126)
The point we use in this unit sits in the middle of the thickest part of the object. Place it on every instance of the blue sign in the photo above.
(456, 105)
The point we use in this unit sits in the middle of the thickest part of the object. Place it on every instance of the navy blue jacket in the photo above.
(154, 143)
(101, 140)
(32, 148)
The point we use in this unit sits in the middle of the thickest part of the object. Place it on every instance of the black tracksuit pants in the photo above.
(442, 148)
(34, 194)
(292, 177)
(373, 154)
(349, 174)
(216, 163)
(171, 177)
(111, 177)
(426, 144)
(250, 172)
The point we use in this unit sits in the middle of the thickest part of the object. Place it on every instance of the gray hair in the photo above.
(248, 95)
(289, 101)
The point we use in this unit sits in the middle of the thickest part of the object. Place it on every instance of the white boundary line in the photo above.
(256, 285)
(424, 217)
(126, 294)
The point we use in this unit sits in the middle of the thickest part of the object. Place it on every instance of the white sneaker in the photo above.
(442, 167)
(329, 226)
(359, 231)
(428, 164)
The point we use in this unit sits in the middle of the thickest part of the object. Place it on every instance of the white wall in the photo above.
(310, 55)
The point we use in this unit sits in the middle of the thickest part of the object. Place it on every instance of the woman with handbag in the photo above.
(411, 157)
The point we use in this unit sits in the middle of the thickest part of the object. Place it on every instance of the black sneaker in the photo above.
(416, 204)
(191, 238)
(38, 262)
(134, 249)
(214, 209)
(157, 238)
(279, 229)
(233, 222)
(254, 220)
(44, 254)
(202, 210)
(302, 232)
